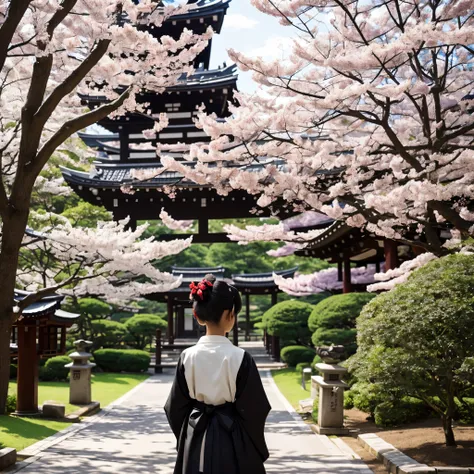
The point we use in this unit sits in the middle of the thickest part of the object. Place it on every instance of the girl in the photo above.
(217, 406)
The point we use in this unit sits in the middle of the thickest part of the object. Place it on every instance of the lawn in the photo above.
(21, 432)
(289, 383)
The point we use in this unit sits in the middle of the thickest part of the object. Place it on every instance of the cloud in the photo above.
(237, 21)
(275, 47)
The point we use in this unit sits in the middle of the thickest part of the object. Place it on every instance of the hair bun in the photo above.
(201, 292)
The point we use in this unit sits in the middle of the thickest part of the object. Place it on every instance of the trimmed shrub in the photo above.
(122, 360)
(316, 360)
(293, 355)
(399, 412)
(54, 369)
(11, 403)
(142, 328)
(301, 366)
(333, 320)
(289, 321)
(107, 333)
(13, 371)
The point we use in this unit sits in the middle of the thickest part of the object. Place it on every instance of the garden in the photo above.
(409, 355)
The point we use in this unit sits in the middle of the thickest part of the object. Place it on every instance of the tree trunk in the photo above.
(14, 226)
(448, 430)
(5, 329)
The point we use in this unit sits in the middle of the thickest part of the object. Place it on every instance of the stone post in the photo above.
(80, 377)
(331, 399)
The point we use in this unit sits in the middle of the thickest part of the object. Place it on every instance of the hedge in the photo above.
(399, 412)
(54, 369)
(289, 321)
(333, 320)
(122, 360)
(294, 355)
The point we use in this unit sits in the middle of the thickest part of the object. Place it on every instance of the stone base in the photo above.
(27, 414)
(7, 458)
(330, 431)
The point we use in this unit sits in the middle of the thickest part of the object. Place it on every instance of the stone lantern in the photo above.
(80, 376)
(329, 388)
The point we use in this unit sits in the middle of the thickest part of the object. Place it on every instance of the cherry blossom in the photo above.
(104, 261)
(324, 280)
(173, 224)
(368, 119)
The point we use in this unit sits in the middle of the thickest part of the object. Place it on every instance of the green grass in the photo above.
(19, 433)
(289, 383)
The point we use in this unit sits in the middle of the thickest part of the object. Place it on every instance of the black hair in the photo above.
(215, 298)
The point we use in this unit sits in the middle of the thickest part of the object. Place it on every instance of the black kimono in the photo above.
(217, 410)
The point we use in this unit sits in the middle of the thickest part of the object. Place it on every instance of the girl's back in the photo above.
(217, 406)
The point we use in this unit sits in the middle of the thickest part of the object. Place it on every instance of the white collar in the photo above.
(214, 340)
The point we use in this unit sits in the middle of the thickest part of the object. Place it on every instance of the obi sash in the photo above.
(204, 424)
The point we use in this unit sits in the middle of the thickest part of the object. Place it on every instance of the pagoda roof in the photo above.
(260, 280)
(202, 79)
(46, 306)
(110, 174)
(196, 274)
(203, 7)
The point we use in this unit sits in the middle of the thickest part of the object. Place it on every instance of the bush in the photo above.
(293, 355)
(348, 399)
(13, 371)
(54, 369)
(465, 411)
(407, 410)
(122, 360)
(142, 328)
(301, 366)
(107, 333)
(11, 403)
(420, 328)
(316, 360)
(333, 320)
(366, 397)
(289, 321)
(315, 412)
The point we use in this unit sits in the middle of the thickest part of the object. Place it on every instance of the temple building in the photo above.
(121, 145)
(181, 322)
(38, 333)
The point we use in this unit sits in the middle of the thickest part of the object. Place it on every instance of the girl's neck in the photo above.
(214, 330)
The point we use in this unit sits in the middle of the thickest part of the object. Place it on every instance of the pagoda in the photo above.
(121, 145)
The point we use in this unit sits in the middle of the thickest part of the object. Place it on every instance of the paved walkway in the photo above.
(132, 436)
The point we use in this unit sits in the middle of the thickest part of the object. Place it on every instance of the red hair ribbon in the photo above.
(200, 287)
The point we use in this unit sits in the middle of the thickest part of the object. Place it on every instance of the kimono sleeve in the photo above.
(179, 403)
(252, 404)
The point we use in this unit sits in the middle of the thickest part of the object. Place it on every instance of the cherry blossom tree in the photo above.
(368, 119)
(108, 261)
(50, 52)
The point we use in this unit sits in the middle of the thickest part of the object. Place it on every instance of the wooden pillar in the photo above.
(247, 317)
(339, 271)
(391, 254)
(274, 299)
(158, 367)
(203, 226)
(276, 348)
(236, 331)
(170, 320)
(124, 145)
(28, 362)
(346, 281)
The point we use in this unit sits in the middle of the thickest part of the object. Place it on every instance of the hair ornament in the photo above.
(200, 288)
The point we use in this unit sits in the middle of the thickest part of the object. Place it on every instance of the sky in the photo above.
(249, 31)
